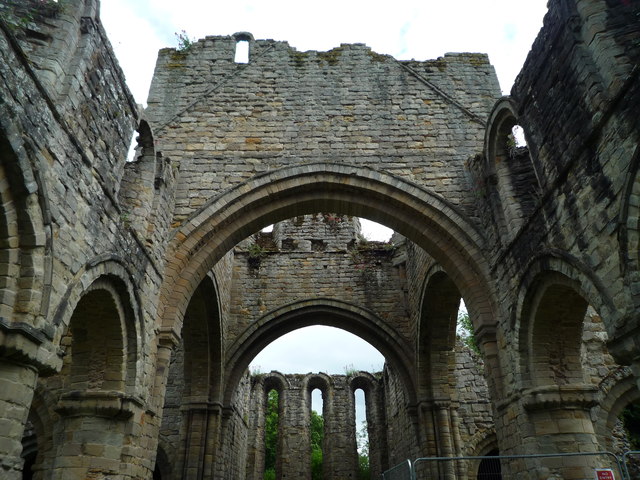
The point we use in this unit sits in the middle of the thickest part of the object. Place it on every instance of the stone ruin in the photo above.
(134, 295)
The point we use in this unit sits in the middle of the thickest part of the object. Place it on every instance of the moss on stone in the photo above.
(331, 57)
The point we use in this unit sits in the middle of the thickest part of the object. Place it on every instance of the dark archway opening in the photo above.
(490, 468)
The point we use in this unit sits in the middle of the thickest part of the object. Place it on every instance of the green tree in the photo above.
(317, 435)
(271, 435)
(466, 333)
(362, 438)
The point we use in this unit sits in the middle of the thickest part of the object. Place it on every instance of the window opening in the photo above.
(133, 147)
(242, 51)
(517, 134)
(316, 429)
(362, 435)
(271, 426)
(490, 468)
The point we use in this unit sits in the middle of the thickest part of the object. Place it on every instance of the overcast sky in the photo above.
(405, 29)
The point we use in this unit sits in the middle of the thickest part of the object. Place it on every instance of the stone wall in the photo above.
(541, 241)
(421, 120)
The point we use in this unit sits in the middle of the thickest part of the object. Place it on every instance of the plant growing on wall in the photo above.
(184, 41)
(466, 333)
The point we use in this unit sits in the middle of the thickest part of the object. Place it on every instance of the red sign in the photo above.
(604, 474)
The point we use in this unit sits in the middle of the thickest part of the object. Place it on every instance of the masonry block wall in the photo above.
(541, 241)
(421, 120)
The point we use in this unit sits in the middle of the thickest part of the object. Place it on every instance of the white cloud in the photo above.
(318, 349)
(405, 29)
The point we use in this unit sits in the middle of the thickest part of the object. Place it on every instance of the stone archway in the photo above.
(326, 312)
(422, 216)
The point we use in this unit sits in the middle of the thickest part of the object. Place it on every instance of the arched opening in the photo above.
(242, 47)
(242, 51)
(362, 435)
(162, 469)
(437, 331)
(516, 184)
(554, 379)
(555, 335)
(271, 434)
(29, 450)
(350, 297)
(96, 343)
(316, 433)
(193, 382)
(490, 468)
(415, 213)
(24, 260)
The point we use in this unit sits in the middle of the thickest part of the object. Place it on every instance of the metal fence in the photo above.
(631, 463)
(403, 471)
(511, 467)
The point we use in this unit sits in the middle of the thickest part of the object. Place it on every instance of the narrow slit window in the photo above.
(242, 51)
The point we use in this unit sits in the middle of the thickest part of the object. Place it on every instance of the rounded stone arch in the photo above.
(321, 381)
(481, 443)
(25, 237)
(629, 231)
(322, 311)
(202, 343)
(618, 390)
(105, 282)
(420, 215)
(275, 381)
(365, 381)
(553, 298)
(435, 341)
(512, 174)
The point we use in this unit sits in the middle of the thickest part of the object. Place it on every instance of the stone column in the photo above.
(24, 353)
(195, 427)
(376, 426)
(444, 432)
(557, 419)
(340, 455)
(295, 455)
(256, 440)
(17, 383)
(93, 428)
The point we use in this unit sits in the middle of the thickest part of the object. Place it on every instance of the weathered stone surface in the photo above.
(131, 302)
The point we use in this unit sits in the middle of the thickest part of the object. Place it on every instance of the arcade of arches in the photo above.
(134, 294)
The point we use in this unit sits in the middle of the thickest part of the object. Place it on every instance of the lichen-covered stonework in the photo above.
(134, 295)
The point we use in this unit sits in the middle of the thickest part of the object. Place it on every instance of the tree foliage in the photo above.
(317, 435)
(271, 435)
(362, 438)
(466, 333)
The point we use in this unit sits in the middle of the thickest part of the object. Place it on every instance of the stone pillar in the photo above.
(17, 383)
(195, 428)
(256, 440)
(295, 455)
(93, 429)
(340, 455)
(557, 419)
(376, 426)
(444, 433)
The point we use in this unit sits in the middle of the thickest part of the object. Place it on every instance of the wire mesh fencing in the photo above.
(574, 466)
